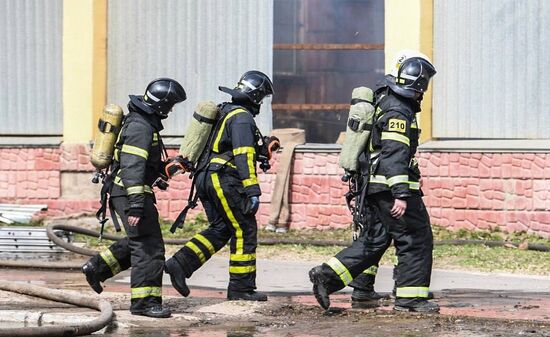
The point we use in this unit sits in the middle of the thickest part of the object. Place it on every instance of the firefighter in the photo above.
(393, 194)
(136, 166)
(229, 192)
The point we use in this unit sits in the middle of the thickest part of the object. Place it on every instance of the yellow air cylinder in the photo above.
(360, 120)
(104, 144)
(198, 131)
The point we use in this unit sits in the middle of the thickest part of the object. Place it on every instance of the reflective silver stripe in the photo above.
(374, 154)
(111, 261)
(378, 180)
(413, 185)
(395, 136)
(151, 96)
(140, 189)
(411, 292)
(398, 179)
(143, 292)
(137, 151)
(340, 270)
(248, 84)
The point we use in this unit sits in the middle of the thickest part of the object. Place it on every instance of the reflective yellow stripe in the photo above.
(216, 147)
(197, 251)
(372, 270)
(155, 137)
(238, 231)
(242, 269)
(206, 243)
(378, 180)
(111, 261)
(396, 136)
(118, 181)
(143, 292)
(413, 185)
(398, 179)
(146, 188)
(250, 181)
(340, 270)
(222, 162)
(116, 156)
(244, 150)
(137, 151)
(242, 257)
(410, 292)
(135, 190)
(249, 151)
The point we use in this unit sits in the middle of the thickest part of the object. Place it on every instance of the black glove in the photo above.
(174, 166)
(251, 205)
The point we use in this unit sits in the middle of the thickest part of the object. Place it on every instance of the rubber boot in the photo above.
(157, 311)
(234, 295)
(320, 289)
(363, 295)
(177, 276)
(416, 305)
(90, 270)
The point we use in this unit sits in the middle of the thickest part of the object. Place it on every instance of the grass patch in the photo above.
(473, 257)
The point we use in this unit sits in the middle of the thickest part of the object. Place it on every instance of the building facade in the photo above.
(485, 157)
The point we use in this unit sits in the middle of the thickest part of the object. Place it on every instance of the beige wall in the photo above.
(84, 67)
(409, 24)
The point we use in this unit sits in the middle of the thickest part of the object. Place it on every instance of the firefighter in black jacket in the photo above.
(229, 192)
(393, 194)
(137, 163)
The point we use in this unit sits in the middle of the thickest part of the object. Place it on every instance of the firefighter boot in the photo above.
(90, 270)
(416, 305)
(157, 311)
(251, 295)
(363, 295)
(177, 276)
(320, 289)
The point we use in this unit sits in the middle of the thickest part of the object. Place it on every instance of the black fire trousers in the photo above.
(223, 198)
(142, 249)
(413, 240)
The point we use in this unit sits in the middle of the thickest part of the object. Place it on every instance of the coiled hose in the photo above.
(79, 329)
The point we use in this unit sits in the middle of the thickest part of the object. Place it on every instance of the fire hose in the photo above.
(78, 329)
(105, 307)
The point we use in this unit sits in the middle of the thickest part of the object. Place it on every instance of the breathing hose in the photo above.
(77, 329)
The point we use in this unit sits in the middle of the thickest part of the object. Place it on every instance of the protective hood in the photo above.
(138, 103)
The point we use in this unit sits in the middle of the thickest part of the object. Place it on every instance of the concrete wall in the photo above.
(510, 191)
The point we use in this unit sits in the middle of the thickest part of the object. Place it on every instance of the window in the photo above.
(322, 50)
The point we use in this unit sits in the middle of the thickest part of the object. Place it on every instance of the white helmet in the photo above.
(410, 74)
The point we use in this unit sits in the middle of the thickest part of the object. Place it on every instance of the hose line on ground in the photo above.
(262, 241)
(76, 329)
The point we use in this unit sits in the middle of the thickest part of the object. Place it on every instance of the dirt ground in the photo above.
(207, 314)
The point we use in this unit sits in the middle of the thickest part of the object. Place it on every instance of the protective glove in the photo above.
(251, 205)
(174, 166)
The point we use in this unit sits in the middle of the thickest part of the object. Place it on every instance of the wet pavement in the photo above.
(501, 305)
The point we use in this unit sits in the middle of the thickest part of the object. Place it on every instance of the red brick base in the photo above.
(510, 191)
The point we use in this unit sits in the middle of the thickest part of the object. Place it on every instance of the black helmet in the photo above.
(412, 74)
(160, 96)
(253, 86)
